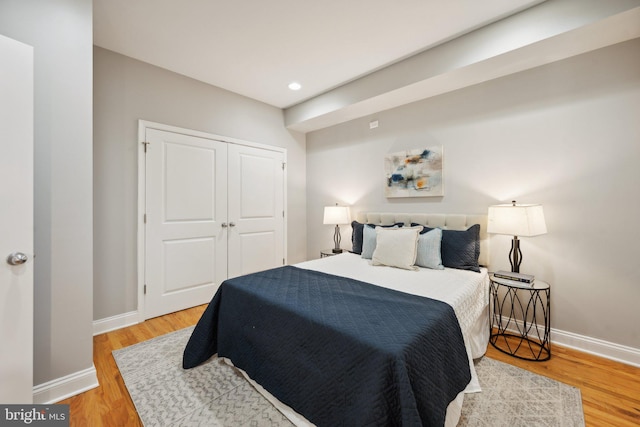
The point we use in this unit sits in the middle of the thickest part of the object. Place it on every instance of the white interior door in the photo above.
(256, 209)
(186, 241)
(16, 222)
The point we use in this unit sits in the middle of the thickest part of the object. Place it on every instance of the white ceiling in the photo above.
(256, 48)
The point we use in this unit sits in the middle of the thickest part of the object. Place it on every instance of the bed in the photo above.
(339, 341)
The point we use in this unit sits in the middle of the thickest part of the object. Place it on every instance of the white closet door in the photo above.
(186, 241)
(256, 209)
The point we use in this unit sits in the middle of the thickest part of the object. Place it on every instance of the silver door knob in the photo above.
(224, 225)
(17, 258)
(232, 224)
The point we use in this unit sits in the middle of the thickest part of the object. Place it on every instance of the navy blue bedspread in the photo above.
(338, 351)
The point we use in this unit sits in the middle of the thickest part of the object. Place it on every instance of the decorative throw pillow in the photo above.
(460, 249)
(396, 247)
(369, 238)
(356, 237)
(429, 244)
(368, 241)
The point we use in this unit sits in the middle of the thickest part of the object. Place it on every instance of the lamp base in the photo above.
(336, 240)
(515, 255)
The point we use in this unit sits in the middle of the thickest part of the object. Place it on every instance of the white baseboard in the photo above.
(65, 387)
(606, 349)
(595, 346)
(115, 322)
(79, 382)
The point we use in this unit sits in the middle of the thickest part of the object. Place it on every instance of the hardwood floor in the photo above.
(610, 390)
(110, 405)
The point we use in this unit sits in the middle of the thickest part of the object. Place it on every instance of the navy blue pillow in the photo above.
(357, 234)
(356, 237)
(460, 249)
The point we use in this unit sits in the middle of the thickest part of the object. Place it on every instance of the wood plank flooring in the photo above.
(610, 390)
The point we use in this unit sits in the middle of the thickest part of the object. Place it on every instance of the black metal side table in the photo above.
(521, 318)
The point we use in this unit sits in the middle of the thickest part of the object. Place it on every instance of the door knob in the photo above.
(224, 225)
(17, 258)
(232, 224)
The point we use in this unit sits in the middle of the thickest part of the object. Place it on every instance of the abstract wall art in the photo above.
(414, 173)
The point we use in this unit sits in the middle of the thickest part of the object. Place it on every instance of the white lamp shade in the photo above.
(336, 215)
(516, 220)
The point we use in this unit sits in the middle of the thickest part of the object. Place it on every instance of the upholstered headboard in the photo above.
(445, 221)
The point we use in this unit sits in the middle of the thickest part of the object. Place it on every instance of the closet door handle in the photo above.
(232, 224)
(224, 225)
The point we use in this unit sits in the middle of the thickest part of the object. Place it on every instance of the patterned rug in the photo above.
(215, 394)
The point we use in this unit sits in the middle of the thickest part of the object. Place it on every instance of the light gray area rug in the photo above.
(215, 394)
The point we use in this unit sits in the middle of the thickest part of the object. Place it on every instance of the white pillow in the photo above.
(368, 241)
(396, 247)
(429, 255)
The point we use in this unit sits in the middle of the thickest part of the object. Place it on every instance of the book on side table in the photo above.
(517, 277)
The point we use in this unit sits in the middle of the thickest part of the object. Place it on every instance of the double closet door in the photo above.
(214, 210)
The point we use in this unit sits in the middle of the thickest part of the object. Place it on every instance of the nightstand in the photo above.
(329, 252)
(520, 318)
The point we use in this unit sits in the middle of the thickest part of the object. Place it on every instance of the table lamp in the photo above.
(517, 221)
(336, 215)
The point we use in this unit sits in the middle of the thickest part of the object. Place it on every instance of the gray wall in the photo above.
(566, 135)
(61, 33)
(126, 90)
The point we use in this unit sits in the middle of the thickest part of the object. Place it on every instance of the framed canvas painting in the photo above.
(414, 173)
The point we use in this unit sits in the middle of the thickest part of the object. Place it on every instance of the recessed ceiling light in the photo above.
(295, 86)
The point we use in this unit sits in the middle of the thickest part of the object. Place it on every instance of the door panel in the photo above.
(198, 177)
(256, 207)
(257, 190)
(197, 253)
(16, 221)
(186, 243)
(253, 247)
